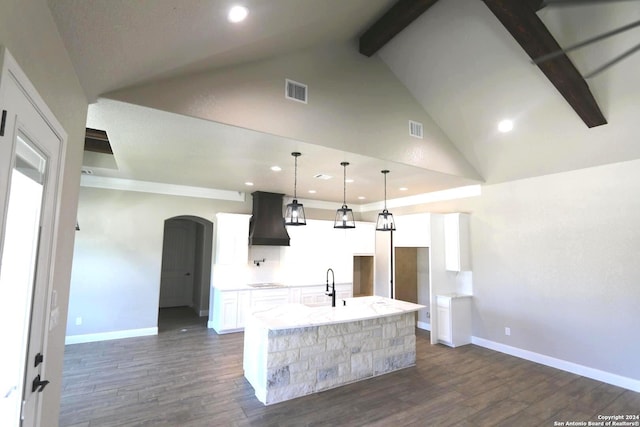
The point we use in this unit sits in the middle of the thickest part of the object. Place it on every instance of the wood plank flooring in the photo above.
(189, 376)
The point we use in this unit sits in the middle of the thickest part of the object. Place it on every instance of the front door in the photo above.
(30, 156)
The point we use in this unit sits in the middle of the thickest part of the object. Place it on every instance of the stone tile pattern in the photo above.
(302, 361)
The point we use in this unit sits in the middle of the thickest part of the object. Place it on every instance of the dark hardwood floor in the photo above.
(190, 376)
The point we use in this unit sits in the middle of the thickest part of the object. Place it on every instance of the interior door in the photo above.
(30, 157)
(178, 261)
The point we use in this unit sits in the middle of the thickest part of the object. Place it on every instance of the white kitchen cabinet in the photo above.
(265, 299)
(229, 308)
(457, 256)
(317, 295)
(232, 238)
(454, 319)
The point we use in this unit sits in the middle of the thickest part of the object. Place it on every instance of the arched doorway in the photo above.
(186, 271)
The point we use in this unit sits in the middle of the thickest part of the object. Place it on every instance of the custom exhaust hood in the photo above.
(267, 223)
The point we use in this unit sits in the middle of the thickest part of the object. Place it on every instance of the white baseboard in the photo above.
(585, 371)
(210, 324)
(203, 313)
(114, 335)
(424, 325)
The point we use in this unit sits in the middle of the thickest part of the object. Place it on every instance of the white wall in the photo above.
(118, 255)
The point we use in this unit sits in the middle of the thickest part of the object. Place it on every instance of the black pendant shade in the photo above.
(385, 218)
(344, 215)
(294, 214)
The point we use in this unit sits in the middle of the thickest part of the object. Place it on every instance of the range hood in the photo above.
(267, 223)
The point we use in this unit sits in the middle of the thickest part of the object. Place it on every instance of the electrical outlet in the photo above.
(428, 315)
(78, 321)
(507, 331)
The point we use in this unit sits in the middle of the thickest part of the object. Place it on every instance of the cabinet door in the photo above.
(232, 234)
(243, 308)
(456, 242)
(268, 298)
(444, 324)
(229, 308)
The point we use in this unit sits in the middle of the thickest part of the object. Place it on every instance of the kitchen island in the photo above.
(293, 350)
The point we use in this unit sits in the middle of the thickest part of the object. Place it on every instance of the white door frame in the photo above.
(10, 70)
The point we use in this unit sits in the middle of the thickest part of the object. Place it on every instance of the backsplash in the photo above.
(264, 265)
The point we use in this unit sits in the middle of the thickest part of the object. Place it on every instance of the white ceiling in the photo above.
(456, 59)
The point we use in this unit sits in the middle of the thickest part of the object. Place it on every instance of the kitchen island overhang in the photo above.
(294, 350)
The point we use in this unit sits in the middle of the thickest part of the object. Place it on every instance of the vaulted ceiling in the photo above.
(188, 98)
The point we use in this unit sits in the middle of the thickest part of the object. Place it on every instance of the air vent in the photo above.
(295, 91)
(85, 171)
(415, 129)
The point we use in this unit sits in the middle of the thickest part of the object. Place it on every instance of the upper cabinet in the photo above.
(457, 254)
(232, 238)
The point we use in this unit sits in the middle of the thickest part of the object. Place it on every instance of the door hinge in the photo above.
(39, 359)
(3, 122)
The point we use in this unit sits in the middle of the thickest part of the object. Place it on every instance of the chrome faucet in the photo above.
(333, 287)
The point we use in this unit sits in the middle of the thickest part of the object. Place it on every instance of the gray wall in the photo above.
(28, 31)
(555, 258)
(115, 282)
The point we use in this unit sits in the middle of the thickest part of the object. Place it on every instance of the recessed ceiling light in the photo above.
(312, 191)
(403, 188)
(505, 126)
(361, 197)
(322, 176)
(348, 181)
(237, 14)
(276, 168)
(249, 184)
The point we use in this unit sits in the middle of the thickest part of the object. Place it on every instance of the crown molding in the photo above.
(160, 188)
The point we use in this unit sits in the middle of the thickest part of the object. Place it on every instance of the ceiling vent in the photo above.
(415, 129)
(296, 91)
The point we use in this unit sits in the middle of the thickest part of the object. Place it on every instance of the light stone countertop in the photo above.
(290, 316)
(245, 287)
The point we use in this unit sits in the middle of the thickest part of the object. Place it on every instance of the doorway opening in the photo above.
(185, 277)
(363, 267)
(412, 279)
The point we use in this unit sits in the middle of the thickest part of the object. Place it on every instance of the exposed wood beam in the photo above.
(97, 141)
(536, 5)
(396, 19)
(520, 19)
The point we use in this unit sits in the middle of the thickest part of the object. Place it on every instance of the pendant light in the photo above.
(344, 215)
(385, 218)
(294, 215)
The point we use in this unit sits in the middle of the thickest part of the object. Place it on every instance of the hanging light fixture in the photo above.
(385, 218)
(344, 215)
(294, 215)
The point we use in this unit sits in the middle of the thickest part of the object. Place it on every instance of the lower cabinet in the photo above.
(231, 306)
(454, 320)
